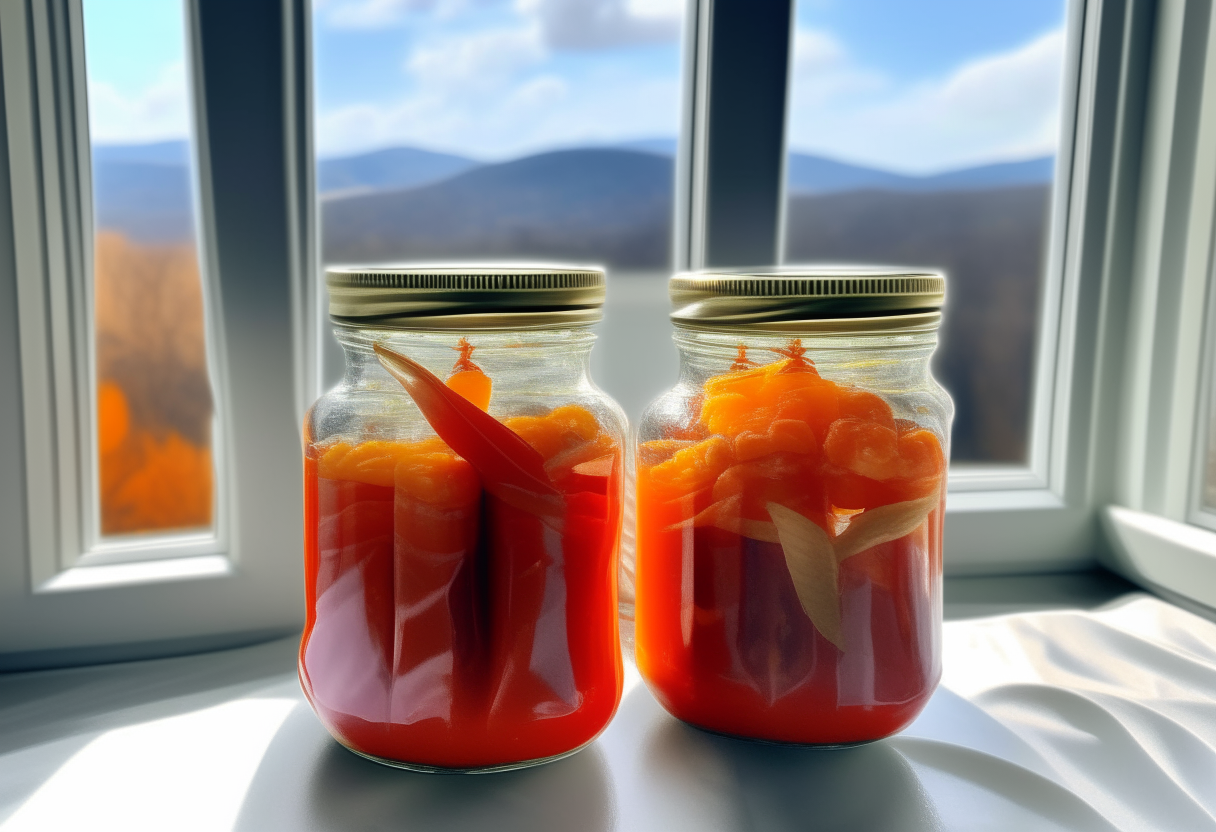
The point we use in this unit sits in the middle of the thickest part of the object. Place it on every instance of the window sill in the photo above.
(144, 572)
(1177, 557)
(106, 745)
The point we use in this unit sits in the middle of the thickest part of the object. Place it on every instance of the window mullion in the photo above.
(731, 165)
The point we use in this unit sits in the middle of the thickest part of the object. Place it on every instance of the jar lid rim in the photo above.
(803, 293)
(500, 296)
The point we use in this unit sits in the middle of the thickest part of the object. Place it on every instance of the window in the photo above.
(927, 133)
(152, 250)
(152, 385)
(531, 131)
(501, 103)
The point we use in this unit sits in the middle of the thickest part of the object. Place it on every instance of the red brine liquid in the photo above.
(454, 621)
(789, 560)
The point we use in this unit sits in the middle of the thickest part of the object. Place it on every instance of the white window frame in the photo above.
(1002, 519)
(1040, 517)
(1095, 386)
(1157, 531)
(66, 593)
(57, 326)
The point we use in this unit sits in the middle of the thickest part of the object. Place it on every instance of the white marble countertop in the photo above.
(225, 740)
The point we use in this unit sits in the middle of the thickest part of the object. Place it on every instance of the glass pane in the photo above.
(450, 131)
(154, 405)
(925, 134)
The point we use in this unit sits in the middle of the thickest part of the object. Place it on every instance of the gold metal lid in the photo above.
(439, 297)
(826, 298)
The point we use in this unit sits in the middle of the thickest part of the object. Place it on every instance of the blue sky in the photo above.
(135, 56)
(912, 86)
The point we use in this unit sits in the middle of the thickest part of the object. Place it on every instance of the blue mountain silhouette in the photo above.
(813, 174)
(150, 202)
(604, 204)
(984, 225)
(393, 168)
(144, 191)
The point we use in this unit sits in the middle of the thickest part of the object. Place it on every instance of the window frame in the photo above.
(1038, 517)
(1097, 370)
(64, 596)
(57, 47)
(1156, 532)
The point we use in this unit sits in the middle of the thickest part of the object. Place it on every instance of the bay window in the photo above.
(163, 325)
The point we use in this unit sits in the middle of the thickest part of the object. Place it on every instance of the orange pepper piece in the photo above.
(817, 403)
(372, 462)
(782, 435)
(743, 382)
(920, 455)
(445, 481)
(861, 404)
(863, 447)
(693, 468)
(729, 414)
(556, 431)
(785, 478)
(467, 378)
(852, 491)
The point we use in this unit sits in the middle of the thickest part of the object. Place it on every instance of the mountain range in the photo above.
(143, 190)
(984, 225)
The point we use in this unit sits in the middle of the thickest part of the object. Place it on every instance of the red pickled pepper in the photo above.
(509, 467)
(492, 559)
(726, 637)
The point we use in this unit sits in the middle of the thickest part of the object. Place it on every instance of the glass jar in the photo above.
(463, 504)
(790, 499)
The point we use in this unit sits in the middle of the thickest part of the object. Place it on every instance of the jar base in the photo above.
(427, 769)
(825, 746)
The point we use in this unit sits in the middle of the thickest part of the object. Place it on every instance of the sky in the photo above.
(915, 87)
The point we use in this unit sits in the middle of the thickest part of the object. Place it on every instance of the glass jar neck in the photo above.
(705, 351)
(540, 360)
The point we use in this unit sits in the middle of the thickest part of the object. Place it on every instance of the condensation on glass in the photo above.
(790, 506)
(463, 504)
(927, 133)
(153, 392)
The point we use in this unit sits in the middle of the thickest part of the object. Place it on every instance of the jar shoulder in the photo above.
(356, 413)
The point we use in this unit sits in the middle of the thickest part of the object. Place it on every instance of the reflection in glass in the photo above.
(154, 405)
(925, 133)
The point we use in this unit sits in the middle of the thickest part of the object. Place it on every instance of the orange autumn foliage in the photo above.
(153, 401)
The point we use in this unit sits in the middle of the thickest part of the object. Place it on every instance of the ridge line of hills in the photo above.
(142, 165)
(986, 226)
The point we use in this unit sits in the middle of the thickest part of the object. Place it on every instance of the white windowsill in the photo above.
(225, 740)
(140, 572)
(1178, 557)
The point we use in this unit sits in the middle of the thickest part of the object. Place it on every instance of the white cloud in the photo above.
(1000, 107)
(369, 14)
(484, 61)
(497, 93)
(656, 9)
(603, 24)
(520, 115)
(566, 24)
(823, 72)
(159, 111)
